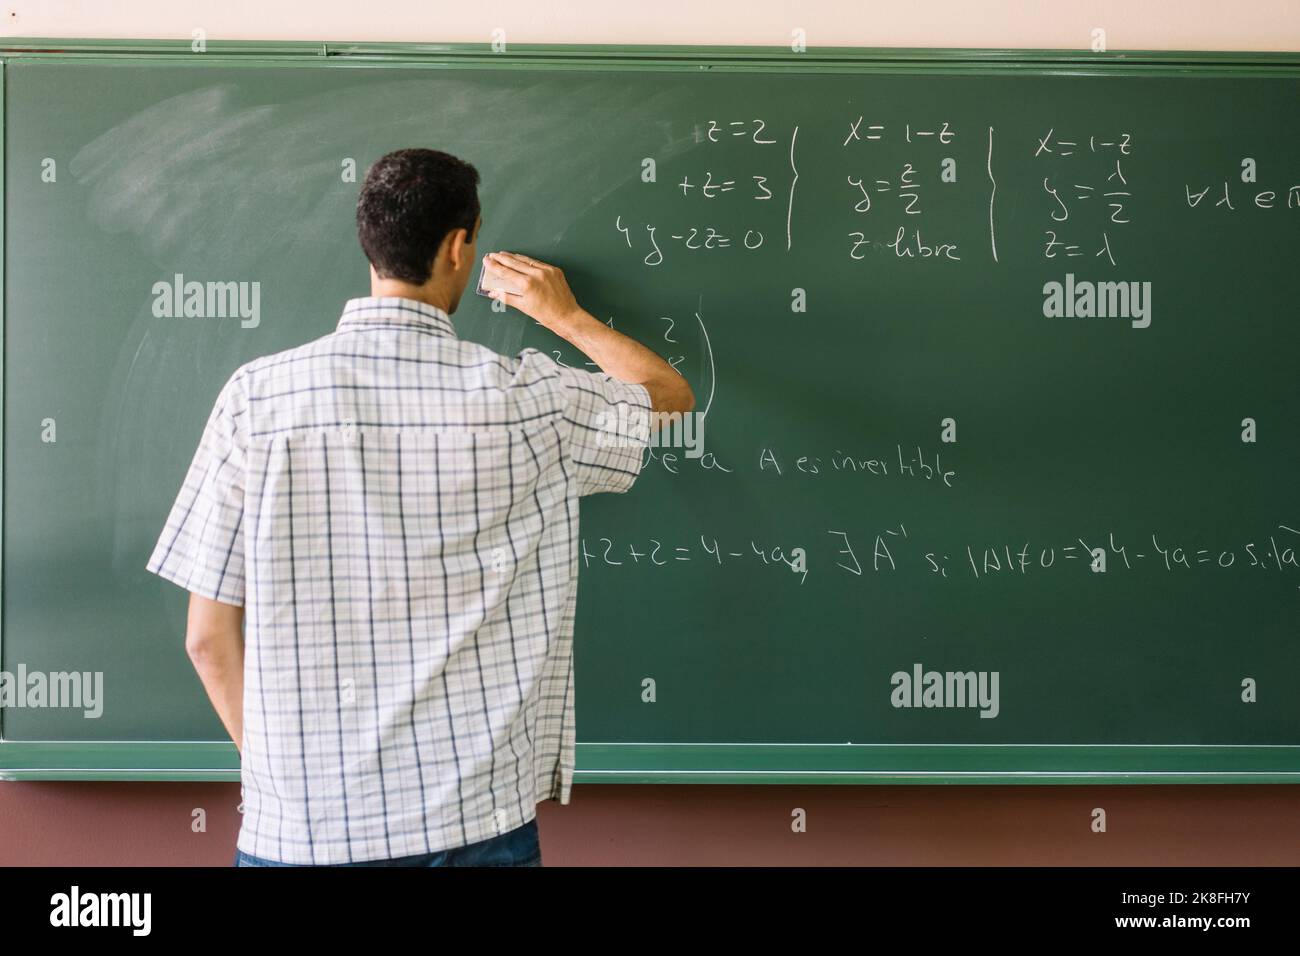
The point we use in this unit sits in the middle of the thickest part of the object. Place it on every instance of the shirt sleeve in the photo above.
(609, 429)
(202, 545)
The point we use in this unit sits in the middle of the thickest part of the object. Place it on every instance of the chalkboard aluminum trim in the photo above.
(642, 763)
(3, 127)
(658, 57)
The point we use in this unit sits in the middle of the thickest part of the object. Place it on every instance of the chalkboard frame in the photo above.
(681, 763)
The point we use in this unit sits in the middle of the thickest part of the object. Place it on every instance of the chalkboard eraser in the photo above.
(487, 284)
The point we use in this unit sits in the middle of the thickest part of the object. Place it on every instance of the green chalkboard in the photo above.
(947, 523)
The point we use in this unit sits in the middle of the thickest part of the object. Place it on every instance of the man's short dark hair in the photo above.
(410, 201)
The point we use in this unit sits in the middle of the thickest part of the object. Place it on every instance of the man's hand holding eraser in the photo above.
(535, 288)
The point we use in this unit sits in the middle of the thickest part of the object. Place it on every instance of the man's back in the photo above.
(398, 511)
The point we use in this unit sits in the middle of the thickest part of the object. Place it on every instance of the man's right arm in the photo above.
(544, 295)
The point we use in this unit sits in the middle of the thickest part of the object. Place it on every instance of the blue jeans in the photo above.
(519, 847)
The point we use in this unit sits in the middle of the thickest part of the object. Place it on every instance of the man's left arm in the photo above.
(214, 641)
(201, 549)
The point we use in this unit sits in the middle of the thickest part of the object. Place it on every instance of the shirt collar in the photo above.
(370, 311)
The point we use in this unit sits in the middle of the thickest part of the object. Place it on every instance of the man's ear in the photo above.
(455, 243)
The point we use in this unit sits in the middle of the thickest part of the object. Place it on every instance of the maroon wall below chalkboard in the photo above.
(141, 824)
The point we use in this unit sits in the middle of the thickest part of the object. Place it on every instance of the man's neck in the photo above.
(396, 288)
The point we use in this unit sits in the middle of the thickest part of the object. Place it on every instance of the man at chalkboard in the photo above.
(397, 509)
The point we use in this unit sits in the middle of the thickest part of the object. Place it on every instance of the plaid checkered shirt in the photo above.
(397, 510)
